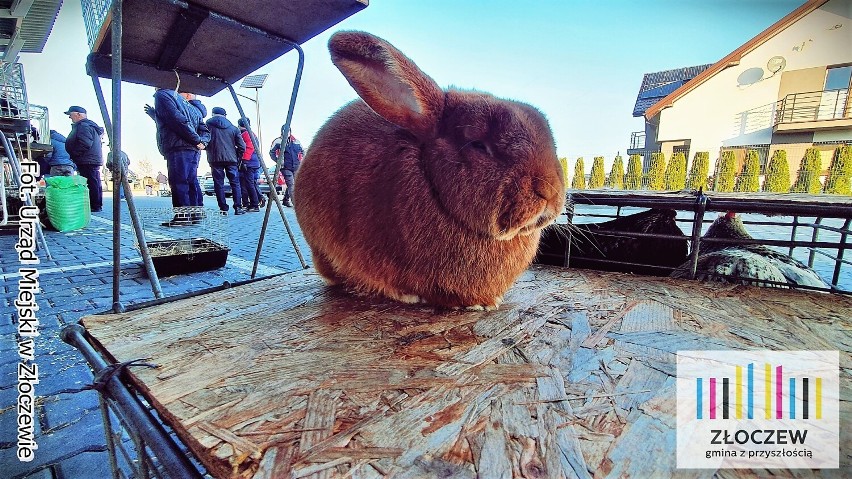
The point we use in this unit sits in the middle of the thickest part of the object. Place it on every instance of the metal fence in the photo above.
(817, 235)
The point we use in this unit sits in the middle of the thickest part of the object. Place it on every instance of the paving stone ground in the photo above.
(77, 281)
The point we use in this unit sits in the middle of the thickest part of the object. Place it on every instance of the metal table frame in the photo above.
(157, 453)
(119, 175)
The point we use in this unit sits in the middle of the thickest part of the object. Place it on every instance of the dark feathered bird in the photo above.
(747, 264)
(589, 243)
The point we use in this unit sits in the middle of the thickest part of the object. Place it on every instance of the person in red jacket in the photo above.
(249, 166)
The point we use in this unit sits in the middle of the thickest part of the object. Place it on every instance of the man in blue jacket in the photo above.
(181, 135)
(84, 146)
(59, 160)
(224, 153)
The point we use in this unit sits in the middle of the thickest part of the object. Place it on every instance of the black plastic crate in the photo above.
(185, 256)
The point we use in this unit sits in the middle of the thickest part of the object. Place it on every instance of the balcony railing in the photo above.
(813, 106)
(637, 140)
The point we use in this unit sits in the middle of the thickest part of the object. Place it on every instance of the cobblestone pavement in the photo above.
(78, 282)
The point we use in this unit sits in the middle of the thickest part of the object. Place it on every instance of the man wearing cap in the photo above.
(224, 153)
(83, 144)
(181, 135)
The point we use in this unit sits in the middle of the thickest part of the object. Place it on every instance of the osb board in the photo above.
(572, 377)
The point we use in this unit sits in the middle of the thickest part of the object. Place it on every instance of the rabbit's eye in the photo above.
(479, 146)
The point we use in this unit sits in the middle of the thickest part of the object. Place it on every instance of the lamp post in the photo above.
(256, 82)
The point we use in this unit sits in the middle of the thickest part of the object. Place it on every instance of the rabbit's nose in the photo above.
(544, 189)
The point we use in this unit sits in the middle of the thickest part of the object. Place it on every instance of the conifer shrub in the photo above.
(633, 179)
(564, 162)
(657, 172)
(777, 173)
(598, 176)
(749, 179)
(839, 181)
(726, 172)
(807, 180)
(579, 181)
(676, 172)
(698, 172)
(616, 174)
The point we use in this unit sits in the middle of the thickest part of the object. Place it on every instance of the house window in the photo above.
(837, 78)
(835, 95)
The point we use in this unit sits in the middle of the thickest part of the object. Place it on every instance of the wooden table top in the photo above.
(574, 375)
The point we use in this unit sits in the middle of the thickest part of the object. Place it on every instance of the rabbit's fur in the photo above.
(425, 195)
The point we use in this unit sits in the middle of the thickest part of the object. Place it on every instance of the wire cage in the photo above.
(618, 232)
(39, 119)
(185, 240)
(94, 14)
(14, 107)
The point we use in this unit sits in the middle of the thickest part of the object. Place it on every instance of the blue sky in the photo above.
(579, 61)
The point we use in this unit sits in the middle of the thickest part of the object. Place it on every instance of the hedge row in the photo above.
(727, 177)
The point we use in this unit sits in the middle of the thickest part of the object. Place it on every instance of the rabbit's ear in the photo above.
(391, 84)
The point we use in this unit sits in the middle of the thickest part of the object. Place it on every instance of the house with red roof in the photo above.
(786, 88)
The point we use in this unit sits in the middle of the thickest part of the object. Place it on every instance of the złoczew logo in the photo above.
(757, 409)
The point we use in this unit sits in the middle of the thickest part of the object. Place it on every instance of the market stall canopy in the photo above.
(208, 42)
(25, 26)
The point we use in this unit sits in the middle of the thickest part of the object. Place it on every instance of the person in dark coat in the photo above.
(249, 167)
(181, 135)
(224, 152)
(84, 147)
(289, 164)
(59, 161)
(201, 111)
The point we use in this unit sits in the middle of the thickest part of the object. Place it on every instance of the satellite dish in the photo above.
(776, 64)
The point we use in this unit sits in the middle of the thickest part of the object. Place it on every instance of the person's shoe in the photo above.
(197, 218)
(288, 204)
(253, 209)
(239, 211)
(97, 210)
(223, 212)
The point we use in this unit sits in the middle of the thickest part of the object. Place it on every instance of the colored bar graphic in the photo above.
(699, 405)
(712, 398)
(792, 398)
(779, 389)
(767, 405)
(739, 404)
(732, 400)
(751, 391)
(818, 398)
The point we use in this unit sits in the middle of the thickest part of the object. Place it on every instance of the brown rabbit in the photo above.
(425, 195)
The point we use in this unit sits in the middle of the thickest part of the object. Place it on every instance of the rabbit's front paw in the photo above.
(492, 306)
(404, 298)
